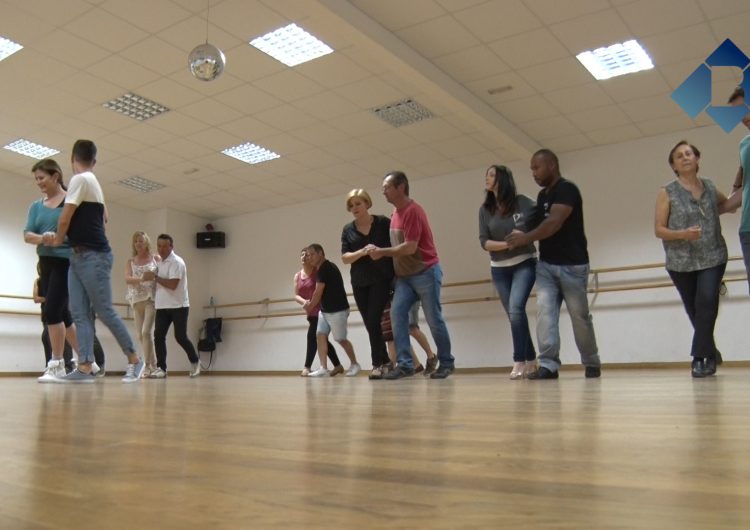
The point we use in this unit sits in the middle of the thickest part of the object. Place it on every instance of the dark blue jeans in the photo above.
(513, 285)
(699, 291)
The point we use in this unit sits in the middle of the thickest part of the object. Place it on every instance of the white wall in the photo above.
(20, 347)
(618, 183)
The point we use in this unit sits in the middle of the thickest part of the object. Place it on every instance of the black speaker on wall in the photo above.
(210, 239)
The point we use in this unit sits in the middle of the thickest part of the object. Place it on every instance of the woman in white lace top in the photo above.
(140, 296)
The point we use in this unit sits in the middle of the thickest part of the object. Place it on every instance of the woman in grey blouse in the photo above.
(687, 222)
(513, 270)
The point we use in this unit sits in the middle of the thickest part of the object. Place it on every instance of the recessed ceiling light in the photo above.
(291, 45)
(618, 59)
(250, 153)
(8, 48)
(140, 184)
(136, 107)
(402, 113)
(30, 149)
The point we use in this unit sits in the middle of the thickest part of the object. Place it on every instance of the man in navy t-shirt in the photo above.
(563, 269)
(89, 276)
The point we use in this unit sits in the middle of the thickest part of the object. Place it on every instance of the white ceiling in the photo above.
(445, 54)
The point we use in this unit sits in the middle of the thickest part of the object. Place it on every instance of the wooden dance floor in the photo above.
(635, 449)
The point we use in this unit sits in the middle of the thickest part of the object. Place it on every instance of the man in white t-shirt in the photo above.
(172, 306)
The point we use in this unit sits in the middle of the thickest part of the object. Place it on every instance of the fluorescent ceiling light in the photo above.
(135, 106)
(402, 113)
(30, 149)
(8, 48)
(618, 59)
(291, 45)
(140, 184)
(250, 153)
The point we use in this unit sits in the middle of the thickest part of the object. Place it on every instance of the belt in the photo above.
(78, 249)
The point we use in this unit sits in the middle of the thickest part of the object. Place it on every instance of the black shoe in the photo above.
(442, 372)
(593, 371)
(543, 373)
(709, 367)
(697, 368)
(399, 372)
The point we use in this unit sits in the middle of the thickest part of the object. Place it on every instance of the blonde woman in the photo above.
(140, 296)
(371, 279)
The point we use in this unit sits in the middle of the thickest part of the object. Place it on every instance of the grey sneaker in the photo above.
(195, 369)
(157, 373)
(133, 372)
(399, 372)
(76, 377)
(442, 372)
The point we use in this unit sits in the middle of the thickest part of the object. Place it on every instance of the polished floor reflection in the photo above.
(635, 449)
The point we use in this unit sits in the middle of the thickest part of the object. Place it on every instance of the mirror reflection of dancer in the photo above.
(52, 266)
(304, 287)
(687, 222)
(89, 278)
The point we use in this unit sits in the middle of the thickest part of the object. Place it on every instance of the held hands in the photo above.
(693, 233)
(516, 239)
(374, 252)
(48, 238)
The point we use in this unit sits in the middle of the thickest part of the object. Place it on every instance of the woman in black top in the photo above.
(371, 279)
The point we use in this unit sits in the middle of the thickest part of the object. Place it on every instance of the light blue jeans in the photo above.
(425, 287)
(90, 292)
(555, 283)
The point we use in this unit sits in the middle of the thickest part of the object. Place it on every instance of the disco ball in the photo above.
(206, 62)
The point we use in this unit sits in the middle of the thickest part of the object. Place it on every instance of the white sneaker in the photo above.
(195, 369)
(353, 370)
(97, 370)
(55, 369)
(157, 373)
(320, 372)
(133, 372)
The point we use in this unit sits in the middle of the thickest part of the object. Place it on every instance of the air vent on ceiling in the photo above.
(135, 106)
(402, 113)
(140, 184)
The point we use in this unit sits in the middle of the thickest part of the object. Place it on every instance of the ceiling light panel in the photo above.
(291, 45)
(402, 113)
(30, 149)
(140, 184)
(618, 59)
(8, 48)
(136, 107)
(250, 153)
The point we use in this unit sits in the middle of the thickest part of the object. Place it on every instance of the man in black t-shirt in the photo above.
(563, 268)
(334, 312)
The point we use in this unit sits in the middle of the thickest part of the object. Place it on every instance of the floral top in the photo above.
(144, 290)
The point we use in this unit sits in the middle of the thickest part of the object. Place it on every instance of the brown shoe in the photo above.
(431, 365)
(337, 370)
(419, 369)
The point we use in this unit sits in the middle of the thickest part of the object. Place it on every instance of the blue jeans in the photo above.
(425, 287)
(90, 292)
(513, 285)
(555, 283)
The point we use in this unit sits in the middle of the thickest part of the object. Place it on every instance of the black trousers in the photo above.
(699, 291)
(371, 300)
(165, 318)
(53, 286)
(312, 344)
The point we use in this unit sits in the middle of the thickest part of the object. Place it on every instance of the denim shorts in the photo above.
(334, 323)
